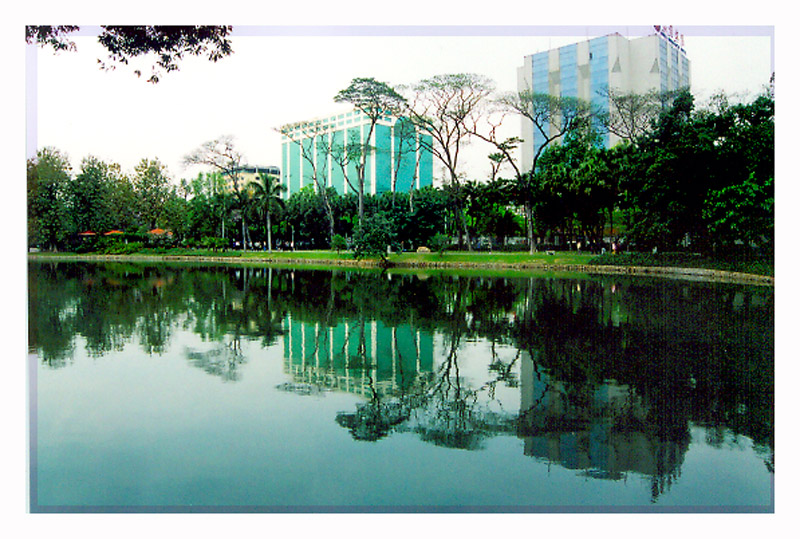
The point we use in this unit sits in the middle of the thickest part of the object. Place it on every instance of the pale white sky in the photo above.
(271, 80)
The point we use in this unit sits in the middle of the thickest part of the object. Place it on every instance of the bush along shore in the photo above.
(667, 264)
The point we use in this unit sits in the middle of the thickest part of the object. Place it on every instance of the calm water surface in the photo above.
(182, 388)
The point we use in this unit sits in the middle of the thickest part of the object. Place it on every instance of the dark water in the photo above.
(183, 388)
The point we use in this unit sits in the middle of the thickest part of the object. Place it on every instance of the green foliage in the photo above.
(696, 180)
(700, 174)
(372, 97)
(213, 243)
(305, 213)
(168, 44)
(49, 218)
(122, 248)
(742, 212)
(151, 185)
(374, 237)
(338, 243)
(439, 243)
(89, 196)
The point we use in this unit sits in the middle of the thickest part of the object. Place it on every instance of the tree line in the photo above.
(682, 177)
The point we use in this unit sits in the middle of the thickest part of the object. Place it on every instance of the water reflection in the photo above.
(601, 375)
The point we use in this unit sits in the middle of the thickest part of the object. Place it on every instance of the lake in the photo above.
(189, 388)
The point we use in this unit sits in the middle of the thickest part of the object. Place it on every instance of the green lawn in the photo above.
(481, 259)
(559, 258)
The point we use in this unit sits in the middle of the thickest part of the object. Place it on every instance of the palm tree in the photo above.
(267, 195)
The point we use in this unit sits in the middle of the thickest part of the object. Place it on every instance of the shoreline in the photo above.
(652, 271)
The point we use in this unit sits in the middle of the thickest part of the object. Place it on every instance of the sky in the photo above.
(278, 76)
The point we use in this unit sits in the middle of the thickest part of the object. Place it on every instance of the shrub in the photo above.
(338, 243)
(213, 243)
(374, 237)
(440, 243)
(120, 248)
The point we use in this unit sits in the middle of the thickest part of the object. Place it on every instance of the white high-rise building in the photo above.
(588, 69)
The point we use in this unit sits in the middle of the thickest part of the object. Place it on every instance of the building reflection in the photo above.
(605, 432)
(360, 357)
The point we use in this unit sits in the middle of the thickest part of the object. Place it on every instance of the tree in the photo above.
(122, 202)
(222, 156)
(440, 107)
(741, 204)
(152, 189)
(552, 118)
(338, 243)
(743, 212)
(407, 145)
(632, 115)
(374, 99)
(168, 44)
(267, 193)
(175, 215)
(209, 189)
(89, 196)
(376, 235)
(489, 212)
(310, 137)
(48, 216)
(306, 215)
(578, 183)
(674, 169)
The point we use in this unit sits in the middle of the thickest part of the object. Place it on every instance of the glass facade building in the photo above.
(326, 152)
(587, 70)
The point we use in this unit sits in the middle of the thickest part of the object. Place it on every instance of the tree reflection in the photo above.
(222, 361)
(112, 305)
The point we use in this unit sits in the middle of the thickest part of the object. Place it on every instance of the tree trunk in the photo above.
(244, 235)
(269, 232)
(529, 219)
(466, 230)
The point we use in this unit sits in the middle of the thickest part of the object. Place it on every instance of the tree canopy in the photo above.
(168, 45)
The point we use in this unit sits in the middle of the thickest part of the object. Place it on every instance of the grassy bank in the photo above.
(567, 260)
(687, 260)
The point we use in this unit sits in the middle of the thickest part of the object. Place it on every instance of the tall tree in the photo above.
(375, 100)
(89, 196)
(407, 148)
(222, 156)
(552, 118)
(674, 171)
(49, 221)
(311, 137)
(267, 193)
(152, 188)
(631, 115)
(167, 44)
(440, 107)
(122, 202)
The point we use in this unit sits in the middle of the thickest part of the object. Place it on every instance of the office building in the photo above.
(587, 70)
(325, 152)
(247, 174)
